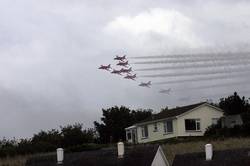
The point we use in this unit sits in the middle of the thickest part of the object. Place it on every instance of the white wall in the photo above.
(158, 135)
(204, 113)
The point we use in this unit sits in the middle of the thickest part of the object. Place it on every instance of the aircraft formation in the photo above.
(127, 70)
(127, 73)
(184, 72)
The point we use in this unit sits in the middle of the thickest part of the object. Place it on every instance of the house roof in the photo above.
(130, 127)
(141, 155)
(239, 157)
(172, 112)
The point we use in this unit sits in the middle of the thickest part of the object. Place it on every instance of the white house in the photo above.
(191, 120)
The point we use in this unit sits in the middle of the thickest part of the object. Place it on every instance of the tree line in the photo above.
(110, 129)
(68, 137)
(232, 105)
(74, 137)
(115, 120)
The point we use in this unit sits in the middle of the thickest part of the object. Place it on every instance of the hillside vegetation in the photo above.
(171, 149)
(19, 160)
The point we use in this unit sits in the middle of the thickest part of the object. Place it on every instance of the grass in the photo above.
(18, 160)
(14, 161)
(21, 160)
(171, 149)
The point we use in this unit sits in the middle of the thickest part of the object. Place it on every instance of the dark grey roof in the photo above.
(235, 157)
(141, 155)
(172, 112)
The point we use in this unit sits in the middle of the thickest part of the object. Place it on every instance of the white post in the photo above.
(120, 149)
(209, 151)
(59, 155)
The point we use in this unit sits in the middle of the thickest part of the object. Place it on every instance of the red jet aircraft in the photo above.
(121, 63)
(103, 67)
(126, 70)
(120, 58)
(167, 91)
(132, 77)
(116, 72)
(147, 84)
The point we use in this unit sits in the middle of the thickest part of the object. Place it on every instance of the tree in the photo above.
(164, 109)
(234, 104)
(75, 135)
(71, 137)
(115, 120)
(45, 141)
(51, 136)
(103, 132)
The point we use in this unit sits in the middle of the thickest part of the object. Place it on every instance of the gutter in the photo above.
(154, 121)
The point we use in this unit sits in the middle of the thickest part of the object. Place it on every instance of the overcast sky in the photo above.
(50, 51)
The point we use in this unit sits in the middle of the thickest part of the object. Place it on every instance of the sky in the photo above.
(50, 51)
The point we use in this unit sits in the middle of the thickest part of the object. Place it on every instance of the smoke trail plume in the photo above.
(194, 73)
(197, 65)
(201, 55)
(216, 85)
(200, 79)
(194, 60)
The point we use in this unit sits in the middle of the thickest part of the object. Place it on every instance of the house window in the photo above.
(233, 123)
(168, 126)
(155, 127)
(215, 121)
(144, 131)
(129, 136)
(192, 124)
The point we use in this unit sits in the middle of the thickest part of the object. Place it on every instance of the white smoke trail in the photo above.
(217, 85)
(194, 73)
(200, 79)
(198, 65)
(194, 60)
(200, 55)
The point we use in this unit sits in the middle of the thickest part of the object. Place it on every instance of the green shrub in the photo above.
(84, 147)
(236, 131)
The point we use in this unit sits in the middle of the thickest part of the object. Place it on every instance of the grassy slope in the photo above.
(19, 160)
(14, 161)
(199, 146)
(170, 149)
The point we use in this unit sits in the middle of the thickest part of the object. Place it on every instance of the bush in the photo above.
(72, 137)
(236, 131)
(84, 147)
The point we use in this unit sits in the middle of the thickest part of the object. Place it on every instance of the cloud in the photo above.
(169, 24)
(50, 51)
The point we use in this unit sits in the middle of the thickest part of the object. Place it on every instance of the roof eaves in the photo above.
(190, 110)
(154, 121)
(217, 108)
(130, 127)
(174, 117)
(204, 104)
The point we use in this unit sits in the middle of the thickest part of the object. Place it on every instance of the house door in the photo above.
(134, 137)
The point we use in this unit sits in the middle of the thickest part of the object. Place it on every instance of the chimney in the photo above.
(59, 152)
(209, 152)
(120, 149)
